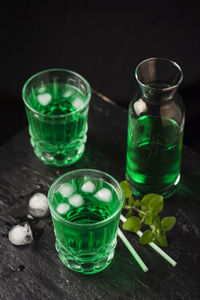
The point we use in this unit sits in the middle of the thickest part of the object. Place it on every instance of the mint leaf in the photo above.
(157, 203)
(152, 201)
(124, 203)
(132, 224)
(131, 201)
(126, 188)
(141, 215)
(168, 223)
(156, 222)
(129, 213)
(146, 200)
(144, 208)
(150, 217)
(146, 211)
(137, 203)
(160, 238)
(147, 237)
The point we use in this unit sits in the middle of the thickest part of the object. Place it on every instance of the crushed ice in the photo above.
(76, 200)
(38, 205)
(104, 194)
(20, 234)
(44, 99)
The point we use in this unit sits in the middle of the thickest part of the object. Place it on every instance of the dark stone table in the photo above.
(35, 271)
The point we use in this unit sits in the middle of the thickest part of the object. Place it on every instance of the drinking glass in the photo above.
(85, 206)
(57, 103)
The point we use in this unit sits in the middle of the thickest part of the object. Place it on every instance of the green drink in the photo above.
(57, 103)
(153, 155)
(85, 206)
(155, 129)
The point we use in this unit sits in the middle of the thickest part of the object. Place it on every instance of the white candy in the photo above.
(20, 235)
(76, 200)
(44, 99)
(68, 93)
(38, 205)
(77, 103)
(66, 190)
(88, 187)
(62, 208)
(104, 195)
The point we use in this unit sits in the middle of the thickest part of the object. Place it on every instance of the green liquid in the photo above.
(153, 155)
(87, 248)
(57, 139)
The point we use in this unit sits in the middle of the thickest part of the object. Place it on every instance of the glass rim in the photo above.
(161, 59)
(97, 224)
(56, 70)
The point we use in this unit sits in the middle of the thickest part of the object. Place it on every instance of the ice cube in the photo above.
(62, 208)
(44, 99)
(104, 194)
(76, 200)
(20, 234)
(66, 190)
(67, 93)
(38, 205)
(77, 103)
(88, 187)
(41, 89)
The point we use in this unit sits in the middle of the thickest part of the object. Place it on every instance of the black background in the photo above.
(102, 41)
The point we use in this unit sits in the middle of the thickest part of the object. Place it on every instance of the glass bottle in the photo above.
(155, 129)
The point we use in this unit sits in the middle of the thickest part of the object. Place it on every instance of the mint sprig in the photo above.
(145, 212)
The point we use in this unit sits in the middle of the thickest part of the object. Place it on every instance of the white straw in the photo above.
(155, 247)
(132, 251)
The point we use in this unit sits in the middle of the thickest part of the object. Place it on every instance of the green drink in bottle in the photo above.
(155, 129)
(85, 206)
(154, 160)
(57, 103)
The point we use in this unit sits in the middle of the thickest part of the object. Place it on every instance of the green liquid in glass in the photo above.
(57, 138)
(84, 248)
(153, 155)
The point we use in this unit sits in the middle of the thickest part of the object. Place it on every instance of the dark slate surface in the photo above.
(35, 272)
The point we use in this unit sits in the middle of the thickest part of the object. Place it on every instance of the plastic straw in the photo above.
(155, 247)
(132, 251)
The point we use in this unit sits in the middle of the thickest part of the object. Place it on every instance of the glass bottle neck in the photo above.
(158, 92)
(158, 79)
